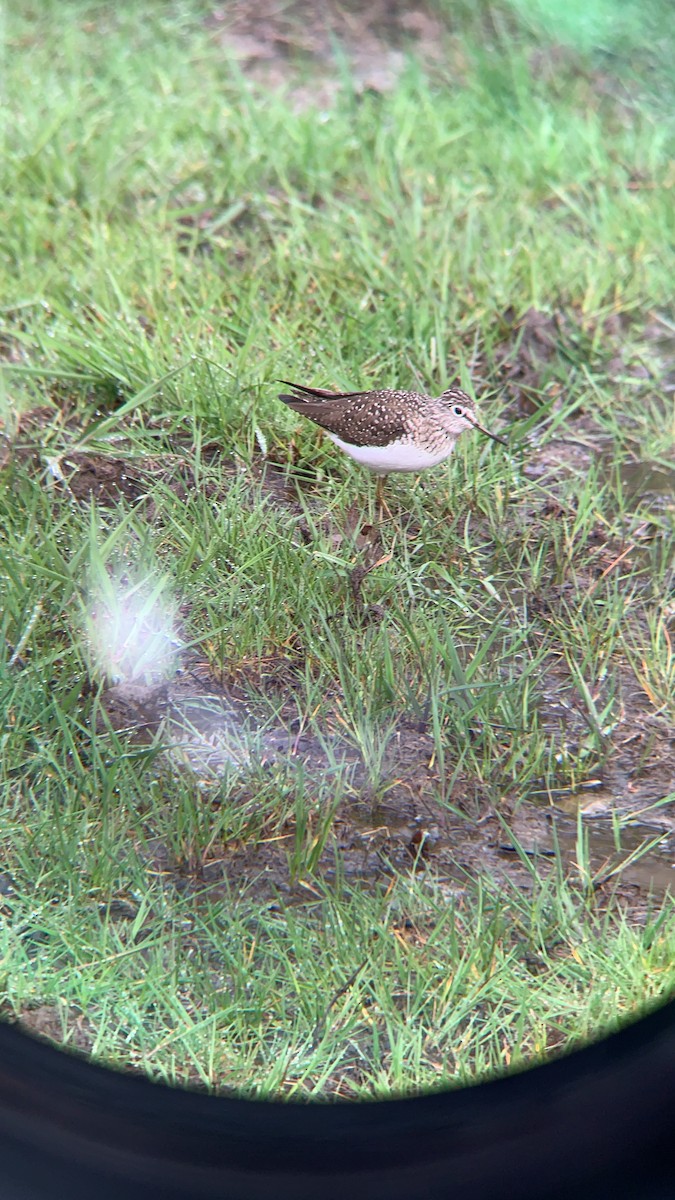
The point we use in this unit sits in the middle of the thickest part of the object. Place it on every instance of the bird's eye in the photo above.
(458, 410)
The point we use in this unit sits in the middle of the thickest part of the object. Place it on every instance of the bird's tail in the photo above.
(315, 393)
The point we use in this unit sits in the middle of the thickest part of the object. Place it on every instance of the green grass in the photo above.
(176, 237)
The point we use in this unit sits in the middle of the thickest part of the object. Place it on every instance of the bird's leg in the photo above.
(380, 502)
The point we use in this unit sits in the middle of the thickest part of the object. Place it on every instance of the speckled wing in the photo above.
(357, 418)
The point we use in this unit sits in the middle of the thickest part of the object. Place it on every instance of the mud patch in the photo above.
(405, 816)
(106, 480)
(110, 479)
(134, 709)
(525, 358)
(642, 351)
(62, 1025)
(199, 724)
(271, 41)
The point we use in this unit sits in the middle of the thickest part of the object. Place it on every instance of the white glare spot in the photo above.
(131, 632)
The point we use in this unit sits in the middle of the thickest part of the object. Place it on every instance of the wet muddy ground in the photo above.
(399, 822)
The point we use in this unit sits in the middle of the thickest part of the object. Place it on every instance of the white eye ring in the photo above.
(458, 410)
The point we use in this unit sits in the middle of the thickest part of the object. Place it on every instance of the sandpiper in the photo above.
(389, 430)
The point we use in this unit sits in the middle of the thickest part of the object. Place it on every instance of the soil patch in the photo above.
(64, 1026)
(409, 818)
(271, 41)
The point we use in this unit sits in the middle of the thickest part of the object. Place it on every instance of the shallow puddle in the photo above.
(642, 858)
(655, 480)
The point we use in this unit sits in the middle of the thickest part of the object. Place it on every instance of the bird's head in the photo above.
(460, 415)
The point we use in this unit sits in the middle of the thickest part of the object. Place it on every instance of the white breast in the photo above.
(402, 455)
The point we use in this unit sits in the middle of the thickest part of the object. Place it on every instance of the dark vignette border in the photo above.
(598, 1122)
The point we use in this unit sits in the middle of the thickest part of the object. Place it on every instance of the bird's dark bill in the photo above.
(495, 436)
